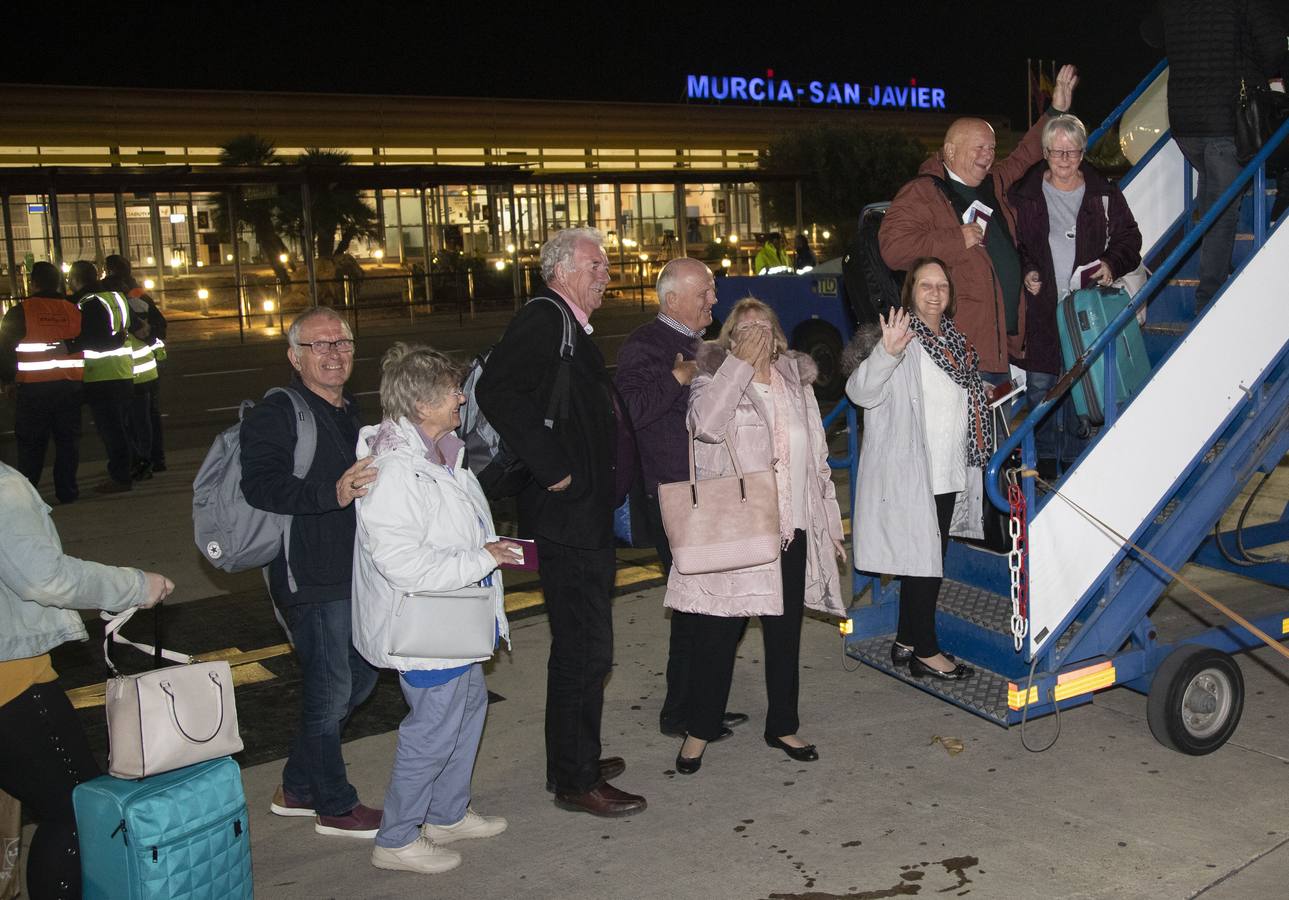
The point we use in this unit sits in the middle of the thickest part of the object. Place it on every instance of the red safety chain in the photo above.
(1018, 563)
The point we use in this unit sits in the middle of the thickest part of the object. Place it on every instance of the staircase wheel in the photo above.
(1195, 701)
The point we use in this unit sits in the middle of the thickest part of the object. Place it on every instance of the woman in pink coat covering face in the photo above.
(751, 388)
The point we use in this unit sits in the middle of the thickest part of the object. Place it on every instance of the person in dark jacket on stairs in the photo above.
(1211, 45)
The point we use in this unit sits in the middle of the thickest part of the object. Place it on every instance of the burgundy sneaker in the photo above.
(285, 804)
(359, 822)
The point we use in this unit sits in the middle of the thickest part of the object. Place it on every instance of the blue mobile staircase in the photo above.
(1166, 465)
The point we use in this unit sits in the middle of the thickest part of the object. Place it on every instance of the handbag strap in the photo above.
(112, 635)
(693, 468)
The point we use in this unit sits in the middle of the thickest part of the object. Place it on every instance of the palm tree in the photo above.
(260, 213)
(339, 213)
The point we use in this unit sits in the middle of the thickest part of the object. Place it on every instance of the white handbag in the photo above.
(460, 624)
(168, 718)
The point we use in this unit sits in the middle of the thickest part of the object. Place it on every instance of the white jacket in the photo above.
(420, 528)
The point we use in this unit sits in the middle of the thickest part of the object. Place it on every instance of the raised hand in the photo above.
(1066, 81)
(895, 331)
(752, 344)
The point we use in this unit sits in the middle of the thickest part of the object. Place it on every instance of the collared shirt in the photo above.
(581, 315)
(678, 326)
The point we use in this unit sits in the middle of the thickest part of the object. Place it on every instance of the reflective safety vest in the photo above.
(143, 360)
(158, 345)
(41, 354)
(110, 365)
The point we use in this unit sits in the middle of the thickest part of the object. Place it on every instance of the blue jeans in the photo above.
(1059, 436)
(335, 679)
(1213, 159)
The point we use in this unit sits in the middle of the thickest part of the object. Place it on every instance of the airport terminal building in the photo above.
(87, 171)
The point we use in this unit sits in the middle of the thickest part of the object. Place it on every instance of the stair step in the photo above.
(975, 605)
(1172, 328)
(1184, 282)
(984, 694)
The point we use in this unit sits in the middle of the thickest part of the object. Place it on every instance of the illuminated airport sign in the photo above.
(768, 89)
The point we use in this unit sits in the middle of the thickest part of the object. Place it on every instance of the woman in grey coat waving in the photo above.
(927, 435)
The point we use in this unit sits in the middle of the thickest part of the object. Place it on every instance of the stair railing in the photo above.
(1105, 346)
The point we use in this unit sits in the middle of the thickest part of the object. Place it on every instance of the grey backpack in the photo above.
(233, 535)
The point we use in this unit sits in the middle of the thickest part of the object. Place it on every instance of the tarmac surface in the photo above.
(886, 812)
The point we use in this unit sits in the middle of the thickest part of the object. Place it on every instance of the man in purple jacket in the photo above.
(655, 367)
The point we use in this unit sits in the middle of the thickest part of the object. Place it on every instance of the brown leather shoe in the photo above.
(610, 767)
(605, 800)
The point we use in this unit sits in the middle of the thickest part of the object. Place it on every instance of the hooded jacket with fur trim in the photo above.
(722, 402)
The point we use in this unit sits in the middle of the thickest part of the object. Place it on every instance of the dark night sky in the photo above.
(627, 52)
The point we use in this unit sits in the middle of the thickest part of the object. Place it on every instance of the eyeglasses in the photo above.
(1064, 154)
(344, 345)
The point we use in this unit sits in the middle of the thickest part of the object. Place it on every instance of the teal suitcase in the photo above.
(1081, 317)
(183, 835)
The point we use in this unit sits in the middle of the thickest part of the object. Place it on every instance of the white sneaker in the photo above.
(422, 855)
(472, 825)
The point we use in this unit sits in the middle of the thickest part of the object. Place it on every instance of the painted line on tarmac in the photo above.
(246, 664)
(225, 372)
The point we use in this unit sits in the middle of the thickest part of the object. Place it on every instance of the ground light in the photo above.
(176, 262)
(500, 265)
(152, 261)
(66, 267)
(228, 257)
(203, 294)
(733, 238)
(510, 248)
(378, 254)
(148, 284)
(726, 262)
(825, 234)
(282, 258)
(268, 306)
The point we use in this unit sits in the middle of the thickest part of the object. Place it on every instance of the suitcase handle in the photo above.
(174, 712)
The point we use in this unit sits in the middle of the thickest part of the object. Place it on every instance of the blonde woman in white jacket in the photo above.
(425, 527)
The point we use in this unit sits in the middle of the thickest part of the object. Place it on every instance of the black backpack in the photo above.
(871, 287)
(500, 472)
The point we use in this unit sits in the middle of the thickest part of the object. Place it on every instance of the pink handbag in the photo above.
(721, 524)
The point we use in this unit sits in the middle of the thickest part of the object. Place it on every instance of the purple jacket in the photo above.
(655, 400)
(1042, 349)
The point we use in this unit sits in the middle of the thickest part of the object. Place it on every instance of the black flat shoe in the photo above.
(808, 753)
(687, 766)
(900, 655)
(919, 669)
(733, 719)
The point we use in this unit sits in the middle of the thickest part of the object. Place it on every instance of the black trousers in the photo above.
(918, 594)
(145, 422)
(577, 584)
(675, 707)
(158, 457)
(712, 670)
(44, 410)
(109, 401)
(43, 756)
